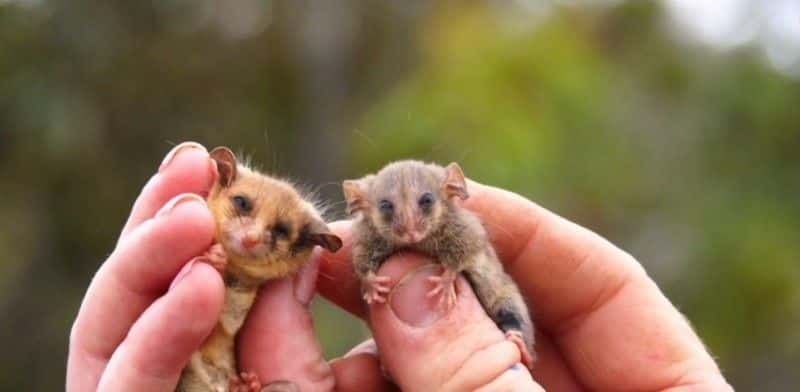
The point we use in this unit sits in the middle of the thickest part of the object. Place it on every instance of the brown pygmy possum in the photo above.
(409, 205)
(265, 230)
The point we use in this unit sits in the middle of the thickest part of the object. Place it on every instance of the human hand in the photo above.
(606, 324)
(147, 310)
(603, 323)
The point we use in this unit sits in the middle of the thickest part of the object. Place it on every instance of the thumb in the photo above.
(425, 346)
(278, 341)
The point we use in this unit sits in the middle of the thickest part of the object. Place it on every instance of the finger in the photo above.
(615, 327)
(185, 169)
(550, 370)
(427, 347)
(360, 370)
(137, 272)
(550, 257)
(161, 342)
(337, 280)
(510, 380)
(338, 283)
(569, 273)
(278, 341)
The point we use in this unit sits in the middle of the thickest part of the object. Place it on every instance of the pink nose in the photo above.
(410, 236)
(414, 236)
(249, 242)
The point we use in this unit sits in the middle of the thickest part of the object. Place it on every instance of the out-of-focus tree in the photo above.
(685, 157)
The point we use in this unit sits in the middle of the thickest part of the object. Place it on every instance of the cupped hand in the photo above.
(602, 323)
(149, 307)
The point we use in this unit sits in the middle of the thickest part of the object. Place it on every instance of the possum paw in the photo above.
(216, 257)
(444, 285)
(376, 288)
(526, 357)
(248, 382)
(245, 382)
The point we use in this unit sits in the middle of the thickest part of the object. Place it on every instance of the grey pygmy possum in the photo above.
(411, 205)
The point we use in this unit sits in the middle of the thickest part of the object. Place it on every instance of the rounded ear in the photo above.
(318, 233)
(455, 184)
(226, 165)
(355, 195)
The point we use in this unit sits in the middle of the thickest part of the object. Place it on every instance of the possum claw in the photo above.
(248, 382)
(526, 357)
(216, 257)
(444, 286)
(245, 382)
(376, 288)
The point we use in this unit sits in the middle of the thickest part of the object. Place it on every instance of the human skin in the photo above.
(604, 324)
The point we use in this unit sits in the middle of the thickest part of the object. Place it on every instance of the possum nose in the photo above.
(403, 224)
(414, 236)
(408, 234)
(401, 229)
(250, 240)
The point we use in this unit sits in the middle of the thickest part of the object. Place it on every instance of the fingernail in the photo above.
(184, 272)
(409, 299)
(175, 201)
(365, 347)
(176, 150)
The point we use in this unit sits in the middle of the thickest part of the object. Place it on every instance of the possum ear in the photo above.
(318, 233)
(355, 195)
(454, 182)
(226, 165)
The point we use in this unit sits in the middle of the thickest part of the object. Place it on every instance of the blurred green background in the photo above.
(670, 128)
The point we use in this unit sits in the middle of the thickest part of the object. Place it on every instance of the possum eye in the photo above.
(426, 202)
(386, 207)
(243, 204)
(280, 230)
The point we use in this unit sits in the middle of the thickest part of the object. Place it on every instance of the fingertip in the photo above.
(189, 165)
(204, 289)
(337, 280)
(419, 332)
(191, 308)
(191, 212)
(163, 339)
(305, 280)
(341, 258)
(186, 221)
(187, 168)
(360, 372)
(148, 259)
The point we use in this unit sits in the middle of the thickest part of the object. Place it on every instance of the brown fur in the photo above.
(453, 236)
(274, 202)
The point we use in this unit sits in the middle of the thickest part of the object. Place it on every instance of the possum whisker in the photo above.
(366, 137)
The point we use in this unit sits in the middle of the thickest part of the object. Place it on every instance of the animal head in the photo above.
(405, 201)
(263, 220)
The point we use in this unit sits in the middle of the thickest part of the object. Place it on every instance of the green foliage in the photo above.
(620, 138)
(685, 158)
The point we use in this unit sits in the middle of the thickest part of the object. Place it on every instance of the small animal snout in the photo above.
(251, 239)
(408, 232)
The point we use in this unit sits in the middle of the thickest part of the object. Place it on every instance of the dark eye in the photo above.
(386, 206)
(280, 231)
(242, 204)
(426, 201)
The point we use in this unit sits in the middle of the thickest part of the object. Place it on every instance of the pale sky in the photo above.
(772, 25)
